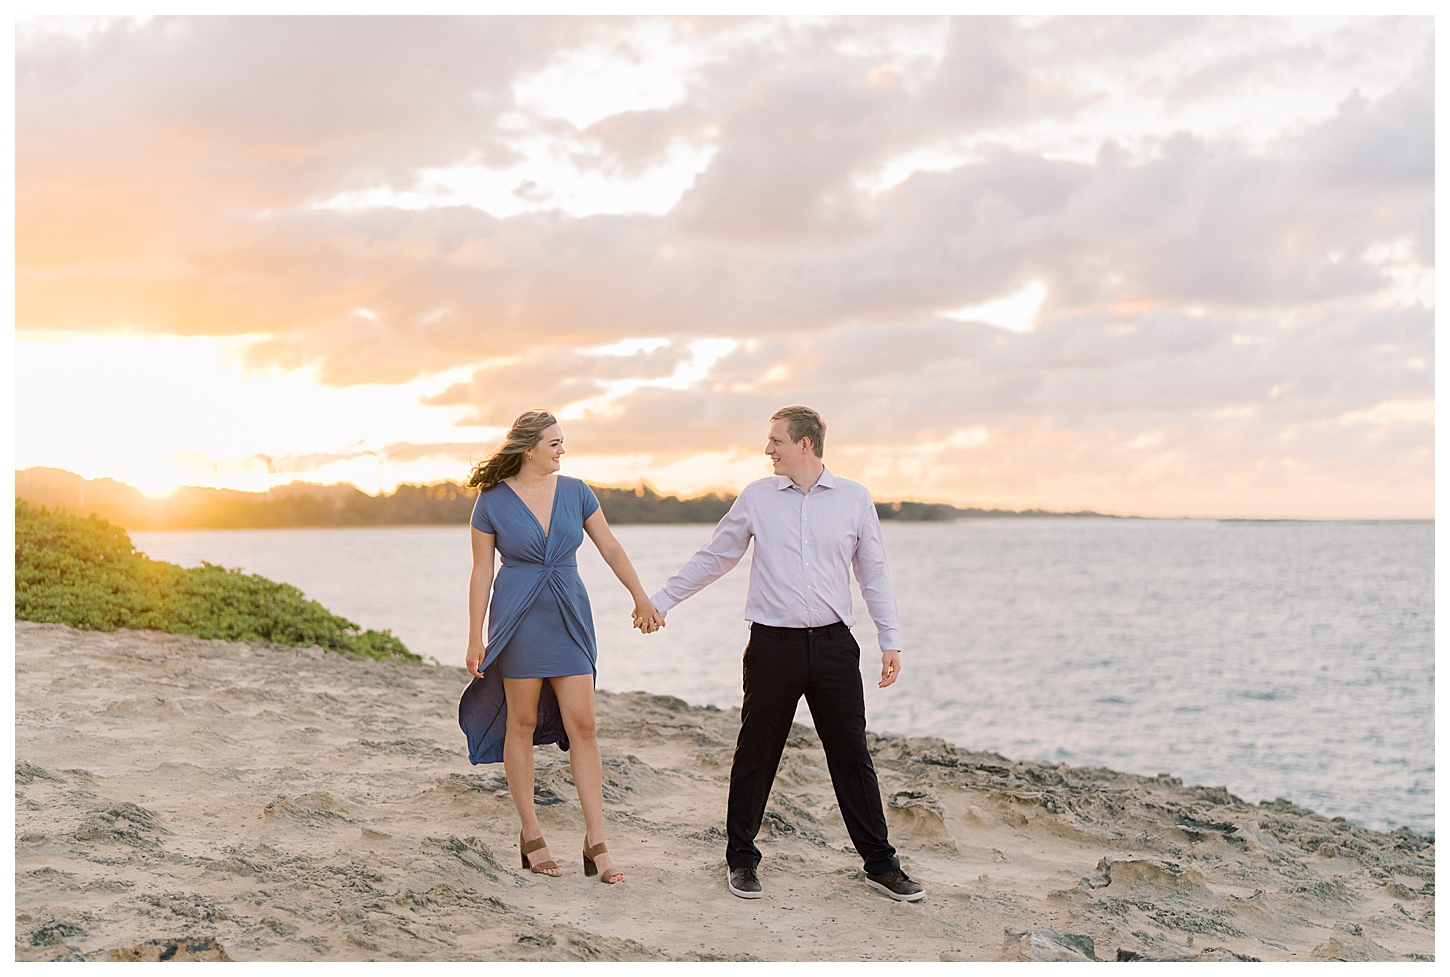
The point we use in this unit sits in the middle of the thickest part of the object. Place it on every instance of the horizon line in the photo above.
(1028, 512)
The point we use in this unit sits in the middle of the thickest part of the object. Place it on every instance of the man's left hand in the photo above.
(890, 668)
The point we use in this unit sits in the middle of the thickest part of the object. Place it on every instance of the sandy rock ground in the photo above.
(186, 799)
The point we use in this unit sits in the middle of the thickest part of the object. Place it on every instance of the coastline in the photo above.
(297, 804)
(308, 505)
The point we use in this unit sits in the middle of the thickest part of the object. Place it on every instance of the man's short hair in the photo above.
(802, 422)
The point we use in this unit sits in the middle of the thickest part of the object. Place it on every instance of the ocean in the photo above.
(1278, 659)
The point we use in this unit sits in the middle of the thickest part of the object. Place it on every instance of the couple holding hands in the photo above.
(533, 680)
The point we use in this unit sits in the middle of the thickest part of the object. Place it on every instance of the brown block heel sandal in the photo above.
(590, 868)
(531, 846)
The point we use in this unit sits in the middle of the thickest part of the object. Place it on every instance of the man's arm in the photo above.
(711, 562)
(869, 563)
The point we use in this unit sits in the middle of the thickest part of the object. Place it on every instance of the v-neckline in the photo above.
(552, 503)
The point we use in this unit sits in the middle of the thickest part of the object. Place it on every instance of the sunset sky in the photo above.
(1178, 266)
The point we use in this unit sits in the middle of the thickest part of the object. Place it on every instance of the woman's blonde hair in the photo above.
(527, 428)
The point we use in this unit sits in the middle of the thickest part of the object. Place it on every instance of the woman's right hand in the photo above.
(646, 617)
(474, 658)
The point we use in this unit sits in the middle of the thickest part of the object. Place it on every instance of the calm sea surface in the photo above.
(1287, 660)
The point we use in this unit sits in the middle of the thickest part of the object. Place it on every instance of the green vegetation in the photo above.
(623, 506)
(85, 573)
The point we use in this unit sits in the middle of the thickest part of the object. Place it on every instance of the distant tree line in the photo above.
(447, 503)
(939, 512)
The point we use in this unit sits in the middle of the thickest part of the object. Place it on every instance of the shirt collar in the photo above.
(827, 480)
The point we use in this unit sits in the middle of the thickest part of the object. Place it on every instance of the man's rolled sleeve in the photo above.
(869, 564)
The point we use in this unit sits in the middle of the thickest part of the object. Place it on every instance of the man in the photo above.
(810, 528)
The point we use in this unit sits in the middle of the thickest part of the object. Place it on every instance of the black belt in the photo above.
(828, 629)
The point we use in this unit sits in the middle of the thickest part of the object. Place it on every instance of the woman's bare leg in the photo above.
(518, 758)
(576, 706)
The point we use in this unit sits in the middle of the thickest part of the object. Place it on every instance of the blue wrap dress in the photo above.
(539, 620)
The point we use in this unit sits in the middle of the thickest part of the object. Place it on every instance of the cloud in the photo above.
(1394, 412)
(464, 450)
(1229, 222)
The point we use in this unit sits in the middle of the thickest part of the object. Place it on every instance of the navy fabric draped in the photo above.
(531, 561)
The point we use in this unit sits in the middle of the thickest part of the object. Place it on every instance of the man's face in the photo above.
(787, 457)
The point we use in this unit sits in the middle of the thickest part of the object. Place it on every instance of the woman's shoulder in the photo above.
(490, 494)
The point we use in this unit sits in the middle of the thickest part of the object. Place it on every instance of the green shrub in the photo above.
(85, 573)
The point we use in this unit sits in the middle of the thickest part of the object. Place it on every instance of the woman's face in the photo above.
(546, 454)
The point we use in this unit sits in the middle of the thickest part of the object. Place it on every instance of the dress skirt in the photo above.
(542, 646)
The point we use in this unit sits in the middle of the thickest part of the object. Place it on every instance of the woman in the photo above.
(534, 683)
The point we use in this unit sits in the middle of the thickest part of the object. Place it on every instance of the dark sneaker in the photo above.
(744, 884)
(896, 884)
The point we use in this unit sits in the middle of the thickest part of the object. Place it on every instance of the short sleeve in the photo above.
(588, 503)
(480, 520)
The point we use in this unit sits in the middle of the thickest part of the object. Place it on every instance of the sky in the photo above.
(1155, 266)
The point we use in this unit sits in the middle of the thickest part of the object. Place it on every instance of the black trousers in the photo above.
(824, 665)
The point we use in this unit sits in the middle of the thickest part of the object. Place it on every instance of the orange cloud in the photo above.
(211, 177)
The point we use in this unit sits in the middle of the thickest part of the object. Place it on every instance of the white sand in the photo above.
(302, 805)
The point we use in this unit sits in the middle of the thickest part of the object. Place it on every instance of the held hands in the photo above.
(474, 658)
(646, 617)
(890, 668)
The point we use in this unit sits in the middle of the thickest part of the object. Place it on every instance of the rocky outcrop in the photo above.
(1037, 943)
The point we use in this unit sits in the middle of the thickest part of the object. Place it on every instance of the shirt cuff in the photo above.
(662, 601)
(890, 639)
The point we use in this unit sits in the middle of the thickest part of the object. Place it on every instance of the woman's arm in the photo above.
(480, 583)
(646, 618)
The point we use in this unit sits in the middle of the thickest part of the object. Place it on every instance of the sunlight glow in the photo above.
(758, 173)
(160, 412)
(1015, 313)
(627, 347)
(644, 70)
(940, 158)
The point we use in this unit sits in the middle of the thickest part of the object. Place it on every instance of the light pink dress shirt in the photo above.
(805, 546)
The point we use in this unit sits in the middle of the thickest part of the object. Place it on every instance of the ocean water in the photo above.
(1291, 659)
